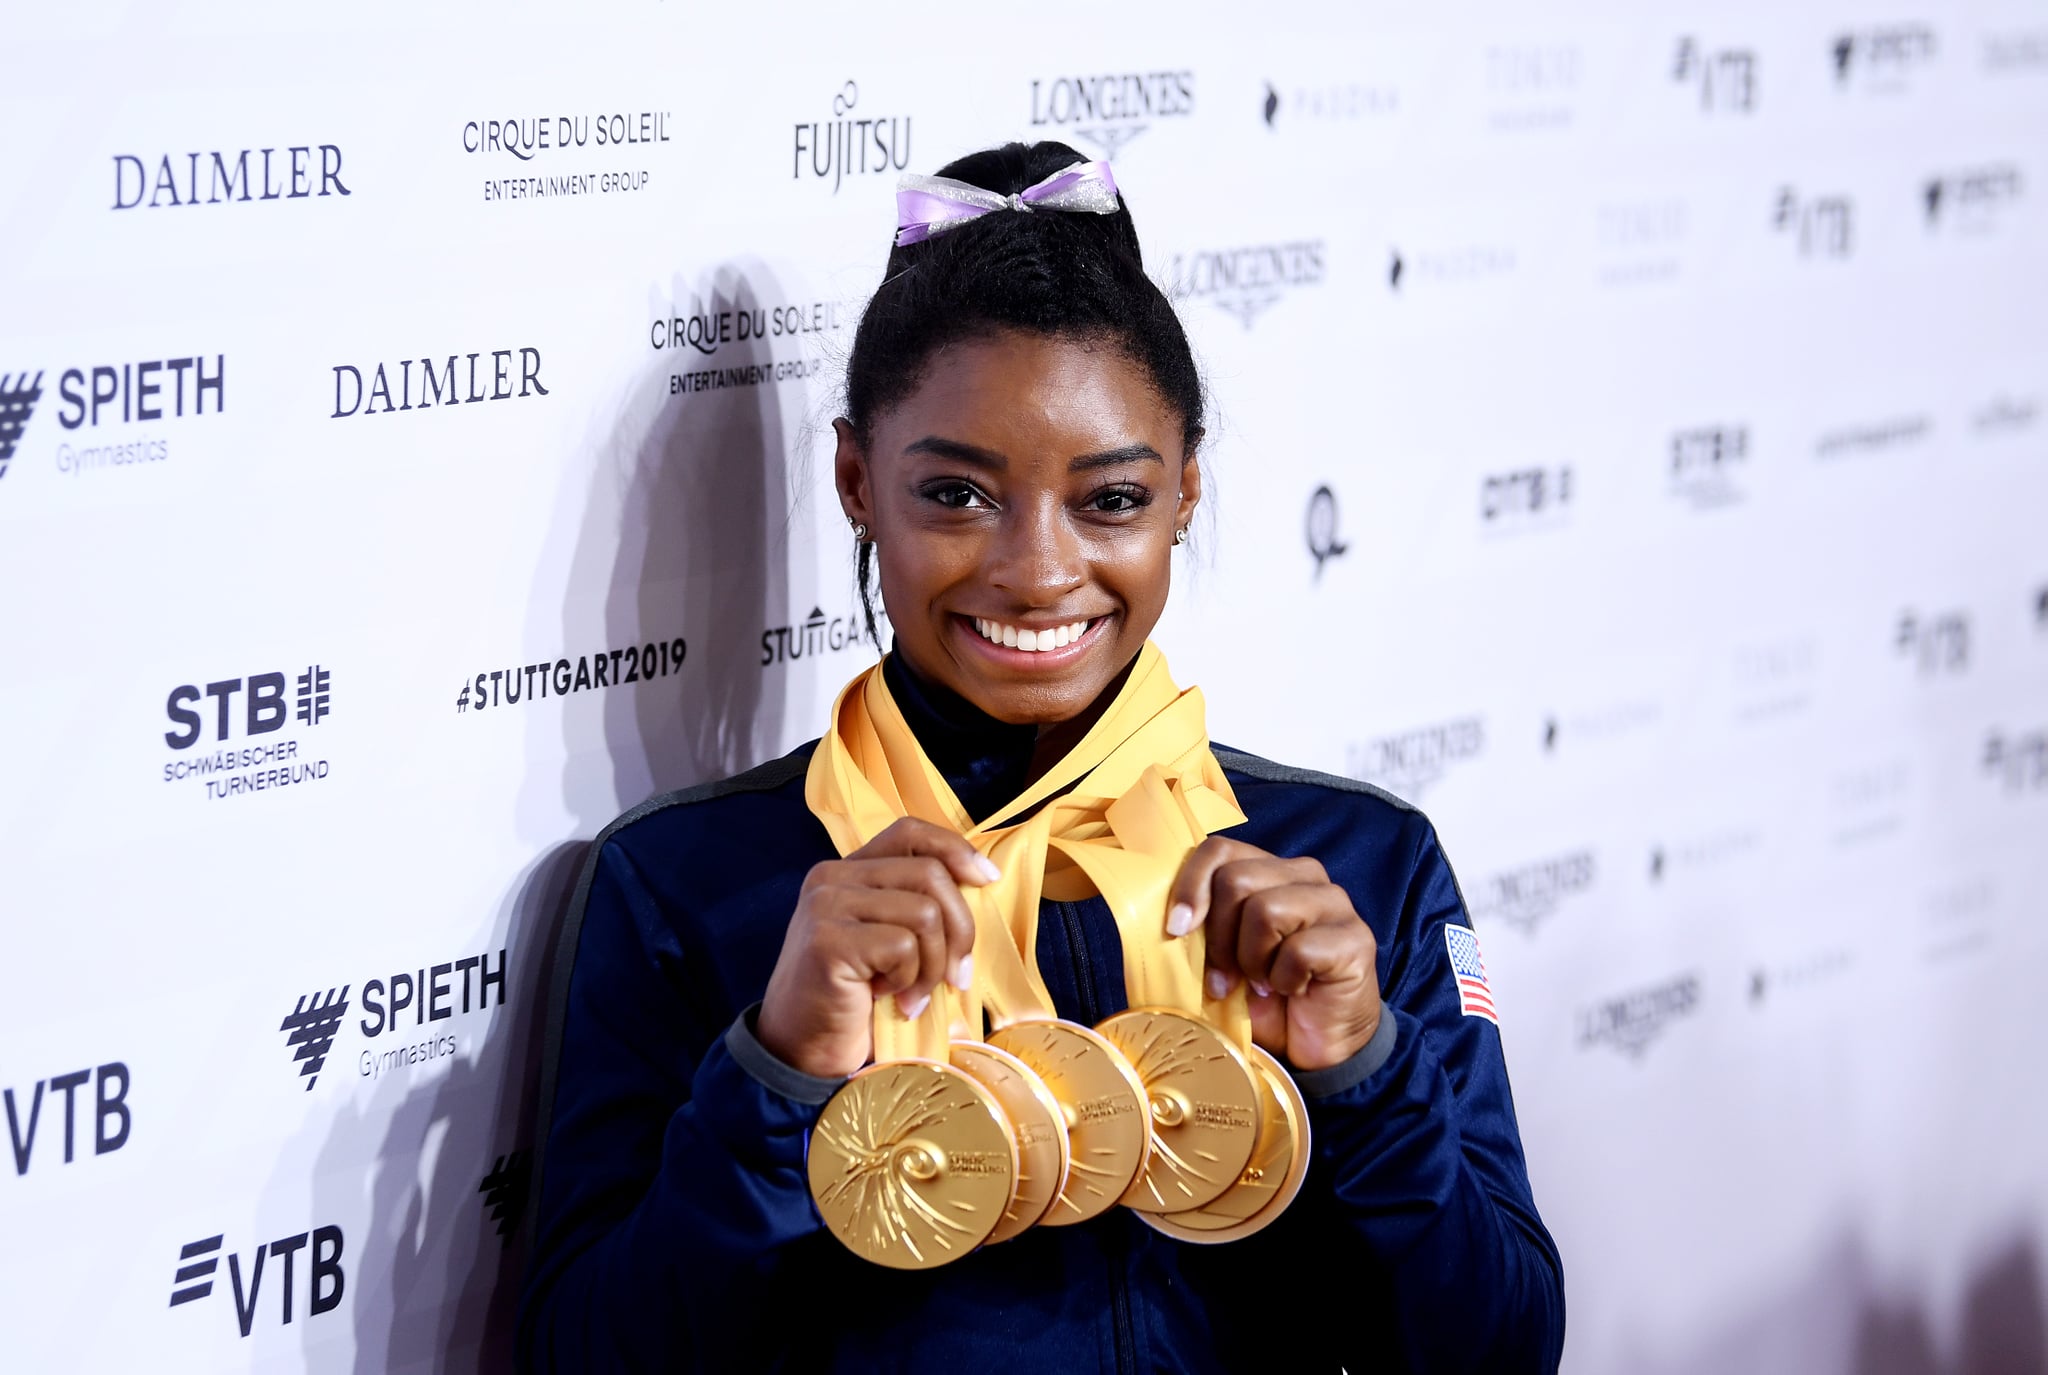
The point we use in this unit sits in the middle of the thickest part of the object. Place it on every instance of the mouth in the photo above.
(1039, 647)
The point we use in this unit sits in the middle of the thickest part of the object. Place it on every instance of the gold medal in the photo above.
(912, 1164)
(1272, 1177)
(1103, 1103)
(1204, 1106)
(1041, 1131)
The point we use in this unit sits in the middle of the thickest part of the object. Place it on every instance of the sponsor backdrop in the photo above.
(1628, 444)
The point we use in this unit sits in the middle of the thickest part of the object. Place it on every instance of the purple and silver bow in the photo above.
(931, 205)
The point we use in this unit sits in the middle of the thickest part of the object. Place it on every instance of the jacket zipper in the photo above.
(1091, 1008)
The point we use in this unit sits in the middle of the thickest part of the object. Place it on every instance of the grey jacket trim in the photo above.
(771, 1072)
(760, 779)
(1266, 771)
(1378, 1049)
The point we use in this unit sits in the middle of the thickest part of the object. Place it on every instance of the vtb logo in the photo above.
(264, 705)
(111, 1117)
(1726, 77)
(1938, 642)
(1822, 226)
(199, 1266)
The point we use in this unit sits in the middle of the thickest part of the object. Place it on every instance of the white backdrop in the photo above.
(1674, 376)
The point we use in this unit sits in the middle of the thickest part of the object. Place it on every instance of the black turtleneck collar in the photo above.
(985, 761)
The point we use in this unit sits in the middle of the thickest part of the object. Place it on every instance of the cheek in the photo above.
(918, 568)
(1139, 575)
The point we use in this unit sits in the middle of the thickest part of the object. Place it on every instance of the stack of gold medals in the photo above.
(988, 1114)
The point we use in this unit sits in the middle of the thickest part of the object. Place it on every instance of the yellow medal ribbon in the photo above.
(1117, 816)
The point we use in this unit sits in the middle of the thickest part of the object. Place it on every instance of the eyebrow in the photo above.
(991, 461)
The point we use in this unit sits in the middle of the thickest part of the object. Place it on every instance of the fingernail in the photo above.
(988, 869)
(1218, 984)
(1261, 990)
(1180, 919)
(963, 973)
(913, 1008)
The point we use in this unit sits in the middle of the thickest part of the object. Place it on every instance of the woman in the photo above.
(1017, 461)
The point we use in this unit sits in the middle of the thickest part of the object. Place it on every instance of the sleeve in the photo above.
(673, 1167)
(1416, 1139)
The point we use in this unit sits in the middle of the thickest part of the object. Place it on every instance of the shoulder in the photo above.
(698, 846)
(1264, 786)
(707, 805)
(1368, 839)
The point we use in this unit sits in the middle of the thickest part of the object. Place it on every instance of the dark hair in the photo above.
(1043, 272)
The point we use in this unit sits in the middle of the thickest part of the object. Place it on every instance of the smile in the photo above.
(1032, 641)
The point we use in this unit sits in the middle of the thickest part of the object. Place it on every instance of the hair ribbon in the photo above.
(931, 205)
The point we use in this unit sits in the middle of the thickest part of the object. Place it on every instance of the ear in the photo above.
(1190, 489)
(850, 475)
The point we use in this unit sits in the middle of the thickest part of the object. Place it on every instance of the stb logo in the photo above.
(313, 1024)
(266, 705)
(18, 396)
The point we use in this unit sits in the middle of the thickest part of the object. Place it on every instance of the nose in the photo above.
(1037, 556)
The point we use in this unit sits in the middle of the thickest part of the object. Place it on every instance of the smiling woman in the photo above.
(965, 1036)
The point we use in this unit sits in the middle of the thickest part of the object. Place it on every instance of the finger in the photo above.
(1234, 883)
(921, 915)
(911, 836)
(1269, 1022)
(1269, 916)
(1187, 903)
(884, 957)
(925, 874)
(1326, 953)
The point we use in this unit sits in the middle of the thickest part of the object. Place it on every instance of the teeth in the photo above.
(1035, 641)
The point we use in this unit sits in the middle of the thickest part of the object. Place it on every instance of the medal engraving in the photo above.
(912, 1164)
(1102, 1102)
(1269, 1180)
(1204, 1105)
(1041, 1134)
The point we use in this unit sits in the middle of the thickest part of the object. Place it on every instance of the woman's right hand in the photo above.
(887, 919)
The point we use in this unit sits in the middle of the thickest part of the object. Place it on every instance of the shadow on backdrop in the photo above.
(1846, 1318)
(684, 532)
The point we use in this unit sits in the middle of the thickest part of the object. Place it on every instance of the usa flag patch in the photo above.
(1475, 998)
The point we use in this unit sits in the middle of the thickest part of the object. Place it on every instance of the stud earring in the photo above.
(860, 533)
(1180, 536)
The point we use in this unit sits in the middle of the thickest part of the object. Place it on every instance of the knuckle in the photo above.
(1235, 882)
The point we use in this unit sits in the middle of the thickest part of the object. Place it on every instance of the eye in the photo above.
(1120, 499)
(956, 495)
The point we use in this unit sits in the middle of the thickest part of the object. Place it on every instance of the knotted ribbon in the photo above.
(1117, 816)
(931, 205)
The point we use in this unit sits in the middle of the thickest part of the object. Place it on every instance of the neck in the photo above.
(1056, 738)
(986, 762)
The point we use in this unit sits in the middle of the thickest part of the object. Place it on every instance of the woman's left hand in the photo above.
(1282, 925)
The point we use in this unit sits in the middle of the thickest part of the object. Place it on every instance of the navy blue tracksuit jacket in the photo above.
(675, 1231)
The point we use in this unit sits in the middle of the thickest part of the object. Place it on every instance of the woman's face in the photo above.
(1028, 490)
